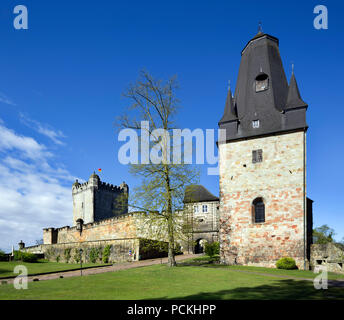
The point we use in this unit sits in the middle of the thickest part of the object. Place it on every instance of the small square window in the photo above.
(204, 208)
(257, 156)
(255, 124)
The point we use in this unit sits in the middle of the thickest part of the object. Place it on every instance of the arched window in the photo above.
(258, 210)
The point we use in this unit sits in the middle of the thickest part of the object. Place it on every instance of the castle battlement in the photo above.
(79, 187)
(96, 200)
(110, 187)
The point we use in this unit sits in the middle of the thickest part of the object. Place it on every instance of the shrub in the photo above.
(94, 255)
(29, 257)
(106, 253)
(212, 249)
(67, 254)
(286, 263)
(58, 258)
(3, 256)
(76, 256)
(25, 256)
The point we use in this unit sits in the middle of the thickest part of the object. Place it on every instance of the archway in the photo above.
(199, 247)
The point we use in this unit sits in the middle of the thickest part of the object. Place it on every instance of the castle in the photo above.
(101, 218)
(262, 213)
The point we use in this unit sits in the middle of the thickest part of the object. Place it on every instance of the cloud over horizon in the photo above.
(35, 193)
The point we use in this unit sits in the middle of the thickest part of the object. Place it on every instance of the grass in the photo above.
(7, 268)
(307, 274)
(181, 282)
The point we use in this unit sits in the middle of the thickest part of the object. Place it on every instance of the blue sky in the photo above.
(61, 83)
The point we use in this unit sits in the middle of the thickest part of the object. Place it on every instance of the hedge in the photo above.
(25, 256)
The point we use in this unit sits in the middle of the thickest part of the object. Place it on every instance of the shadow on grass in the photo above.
(5, 271)
(280, 290)
(10, 268)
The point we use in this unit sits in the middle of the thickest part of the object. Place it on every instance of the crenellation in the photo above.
(97, 200)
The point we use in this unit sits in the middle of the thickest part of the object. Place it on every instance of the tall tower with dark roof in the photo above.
(263, 203)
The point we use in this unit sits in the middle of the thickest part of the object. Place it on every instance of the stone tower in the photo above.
(264, 211)
(95, 200)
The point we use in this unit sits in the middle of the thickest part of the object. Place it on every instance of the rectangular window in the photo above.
(204, 208)
(195, 209)
(257, 156)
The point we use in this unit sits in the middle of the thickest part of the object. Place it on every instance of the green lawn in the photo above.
(203, 261)
(182, 282)
(6, 268)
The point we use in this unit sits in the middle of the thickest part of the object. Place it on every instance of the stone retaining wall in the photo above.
(329, 255)
(119, 252)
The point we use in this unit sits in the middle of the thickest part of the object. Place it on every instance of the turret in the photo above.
(124, 187)
(94, 180)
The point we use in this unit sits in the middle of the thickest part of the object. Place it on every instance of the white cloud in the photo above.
(34, 193)
(44, 129)
(6, 100)
(29, 147)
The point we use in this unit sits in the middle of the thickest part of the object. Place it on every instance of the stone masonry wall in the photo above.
(119, 251)
(114, 228)
(279, 180)
(329, 255)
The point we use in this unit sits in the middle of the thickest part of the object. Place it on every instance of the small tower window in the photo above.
(258, 208)
(255, 124)
(262, 82)
(257, 156)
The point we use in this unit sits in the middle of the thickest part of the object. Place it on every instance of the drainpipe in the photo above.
(304, 203)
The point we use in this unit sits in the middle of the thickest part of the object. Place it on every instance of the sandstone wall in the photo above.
(279, 180)
(119, 251)
(114, 228)
(328, 255)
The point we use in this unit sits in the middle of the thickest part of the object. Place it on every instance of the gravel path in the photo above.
(115, 267)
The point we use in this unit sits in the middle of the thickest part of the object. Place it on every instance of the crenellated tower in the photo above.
(95, 200)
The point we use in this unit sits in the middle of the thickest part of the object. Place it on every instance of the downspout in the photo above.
(304, 203)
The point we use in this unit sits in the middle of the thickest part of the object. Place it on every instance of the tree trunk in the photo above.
(170, 226)
(171, 259)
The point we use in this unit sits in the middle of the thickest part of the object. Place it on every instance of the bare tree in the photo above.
(161, 192)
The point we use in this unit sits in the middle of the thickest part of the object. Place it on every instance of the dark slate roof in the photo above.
(229, 113)
(198, 193)
(294, 98)
(261, 56)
